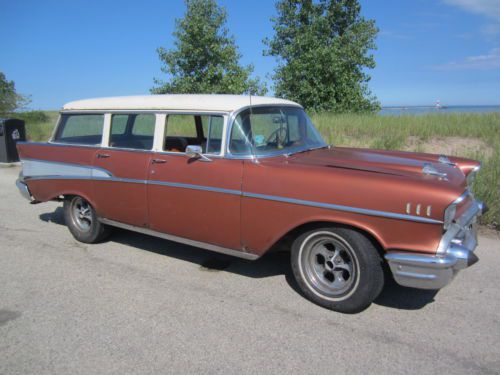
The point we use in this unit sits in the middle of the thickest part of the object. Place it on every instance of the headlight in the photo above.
(449, 215)
(472, 175)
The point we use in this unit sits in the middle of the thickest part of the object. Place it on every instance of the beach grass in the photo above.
(470, 135)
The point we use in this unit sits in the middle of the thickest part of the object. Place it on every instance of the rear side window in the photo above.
(80, 129)
(135, 131)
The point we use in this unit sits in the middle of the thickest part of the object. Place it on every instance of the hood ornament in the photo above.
(443, 159)
(429, 169)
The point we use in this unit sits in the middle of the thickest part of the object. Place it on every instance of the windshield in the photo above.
(273, 130)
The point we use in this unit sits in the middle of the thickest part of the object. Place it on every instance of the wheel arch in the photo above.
(73, 193)
(284, 241)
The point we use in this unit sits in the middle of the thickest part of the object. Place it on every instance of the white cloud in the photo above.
(487, 61)
(492, 30)
(487, 8)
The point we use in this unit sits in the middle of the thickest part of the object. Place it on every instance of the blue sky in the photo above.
(58, 51)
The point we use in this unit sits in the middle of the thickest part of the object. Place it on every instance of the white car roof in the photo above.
(188, 102)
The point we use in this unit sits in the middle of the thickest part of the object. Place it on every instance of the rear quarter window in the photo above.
(80, 129)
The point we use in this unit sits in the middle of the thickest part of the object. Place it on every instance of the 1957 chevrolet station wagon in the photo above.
(243, 176)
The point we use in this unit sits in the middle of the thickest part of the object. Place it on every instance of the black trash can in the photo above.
(11, 131)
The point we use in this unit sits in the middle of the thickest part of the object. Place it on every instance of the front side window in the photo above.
(273, 130)
(83, 129)
(194, 130)
(134, 131)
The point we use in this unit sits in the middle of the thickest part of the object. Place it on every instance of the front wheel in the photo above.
(337, 268)
(82, 221)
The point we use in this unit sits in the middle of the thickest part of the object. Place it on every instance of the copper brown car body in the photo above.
(247, 203)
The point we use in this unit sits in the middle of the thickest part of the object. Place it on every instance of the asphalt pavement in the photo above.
(141, 305)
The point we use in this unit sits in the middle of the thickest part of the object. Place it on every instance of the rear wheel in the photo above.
(82, 221)
(337, 268)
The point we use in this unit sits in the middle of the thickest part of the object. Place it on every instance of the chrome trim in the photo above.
(330, 206)
(443, 159)
(141, 150)
(337, 207)
(425, 271)
(33, 168)
(463, 229)
(50, 143)
(195, 152)
(471, 176)
(462, 197)
(454, 253)
(195, 187)
(186, 241)
(230, 124)
(430, 170)
(183, 154)
(24, 190)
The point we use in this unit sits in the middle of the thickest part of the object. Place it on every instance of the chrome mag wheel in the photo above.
(329, 265)
(81, 213)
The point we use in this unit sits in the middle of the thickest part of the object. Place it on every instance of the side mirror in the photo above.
(196, 152)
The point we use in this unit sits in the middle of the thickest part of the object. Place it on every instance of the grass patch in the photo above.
(39, 124)
(433, 133)
(424, 133)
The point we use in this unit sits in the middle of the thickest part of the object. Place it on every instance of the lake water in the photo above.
(421, 110)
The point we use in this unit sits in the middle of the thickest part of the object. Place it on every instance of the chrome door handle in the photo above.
(103, 156)
(158, 161)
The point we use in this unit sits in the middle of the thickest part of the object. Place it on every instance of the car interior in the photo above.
(191, 130)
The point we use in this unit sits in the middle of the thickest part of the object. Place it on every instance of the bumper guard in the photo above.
(455, 252)
(24, 190)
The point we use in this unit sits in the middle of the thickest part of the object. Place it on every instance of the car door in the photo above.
(123, 196)
(195, 198)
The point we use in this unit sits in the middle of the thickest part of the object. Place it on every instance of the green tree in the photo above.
(205, 58)
(323, 51)
(10, 100)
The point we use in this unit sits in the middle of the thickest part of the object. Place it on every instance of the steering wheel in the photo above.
(279, 136)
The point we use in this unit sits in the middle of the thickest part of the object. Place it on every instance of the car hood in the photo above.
(398, 163)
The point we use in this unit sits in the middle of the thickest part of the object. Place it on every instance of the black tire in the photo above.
(337, 268)
(83, 222)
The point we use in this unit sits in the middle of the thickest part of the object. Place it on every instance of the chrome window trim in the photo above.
(225, 117)
(58, 124)
(56, 127)
(232, 118)
(107, 137)
(56, 144)
(109, 148)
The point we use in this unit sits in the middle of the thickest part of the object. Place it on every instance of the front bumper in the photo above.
(455, 252)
